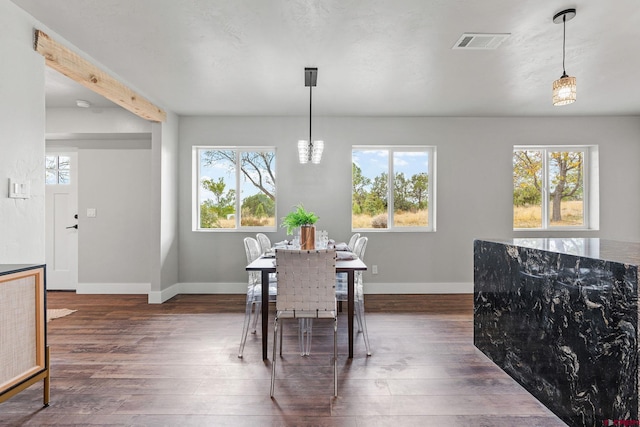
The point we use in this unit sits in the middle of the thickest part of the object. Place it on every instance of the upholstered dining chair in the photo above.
(342, 292)
(306, 290)
(254, 292)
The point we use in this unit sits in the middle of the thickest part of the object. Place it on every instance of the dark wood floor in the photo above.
(119, 361)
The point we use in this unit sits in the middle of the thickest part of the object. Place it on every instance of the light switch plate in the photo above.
(19, 189)
(91, 212)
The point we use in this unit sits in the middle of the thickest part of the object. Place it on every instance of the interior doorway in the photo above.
(61, 219)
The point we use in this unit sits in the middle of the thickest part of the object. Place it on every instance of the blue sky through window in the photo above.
(374, 162)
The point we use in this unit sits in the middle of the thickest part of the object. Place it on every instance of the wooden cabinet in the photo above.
(24, 355)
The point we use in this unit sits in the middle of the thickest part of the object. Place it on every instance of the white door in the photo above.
(61, 220)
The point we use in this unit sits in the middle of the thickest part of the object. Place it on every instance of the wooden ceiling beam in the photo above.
(70, 64)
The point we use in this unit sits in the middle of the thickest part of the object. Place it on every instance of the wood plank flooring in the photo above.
(119, 361)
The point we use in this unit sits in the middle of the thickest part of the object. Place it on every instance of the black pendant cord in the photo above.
(310, 96)
(564, 36)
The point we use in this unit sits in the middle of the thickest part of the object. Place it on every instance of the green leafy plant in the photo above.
(297, 218)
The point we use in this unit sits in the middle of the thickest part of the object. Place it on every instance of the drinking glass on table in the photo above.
(322, 240)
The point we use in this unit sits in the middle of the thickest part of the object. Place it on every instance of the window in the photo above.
(57, 170)
(551, 187)
(234, 188)
(406, 172)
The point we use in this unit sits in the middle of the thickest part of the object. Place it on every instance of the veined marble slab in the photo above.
(560, 316)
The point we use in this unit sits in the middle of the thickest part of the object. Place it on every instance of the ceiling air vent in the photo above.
(480, 41)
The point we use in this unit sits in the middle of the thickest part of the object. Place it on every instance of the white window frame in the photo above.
(431, 189)
(197, 188)
(589, 182)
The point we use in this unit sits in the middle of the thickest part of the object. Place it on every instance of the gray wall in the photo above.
(474, 189)
(96, 123)
(21, 139)
(114, 247)
(164, 218)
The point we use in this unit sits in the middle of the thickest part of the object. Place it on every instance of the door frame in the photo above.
(62, 280)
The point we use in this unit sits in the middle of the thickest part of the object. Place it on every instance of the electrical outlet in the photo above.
(374, 269)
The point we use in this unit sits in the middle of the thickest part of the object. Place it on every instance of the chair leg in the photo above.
(335, 357)
(358, 317)
(273, 358)
(245, 327)
(256, 314)
(281, 330)
(305, 326)
(362, 320)
(301, 326)
(309, 328)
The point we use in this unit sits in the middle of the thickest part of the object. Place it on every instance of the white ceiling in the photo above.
(375, 57)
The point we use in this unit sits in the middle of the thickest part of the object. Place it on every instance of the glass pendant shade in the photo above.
(310, 152)
(316, 151)
(564, 90)
(303, 151)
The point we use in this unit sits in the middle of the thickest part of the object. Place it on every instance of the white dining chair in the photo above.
(353, 240)
(306, 290)
(342, 292)
(358, 247)
(265, 242)
(342, 277)
(254, 292)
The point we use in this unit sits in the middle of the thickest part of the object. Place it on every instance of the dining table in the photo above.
(266, 265)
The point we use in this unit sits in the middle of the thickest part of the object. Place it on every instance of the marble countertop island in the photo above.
(561, 317)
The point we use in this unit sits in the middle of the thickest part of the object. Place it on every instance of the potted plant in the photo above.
(304, 219)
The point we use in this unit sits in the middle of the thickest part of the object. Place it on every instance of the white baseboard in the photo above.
(196, 288)
(213, 288)
(113, 288)
(156, 297)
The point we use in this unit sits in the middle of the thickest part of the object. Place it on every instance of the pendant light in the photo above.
(564, 89)
(310, 151)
